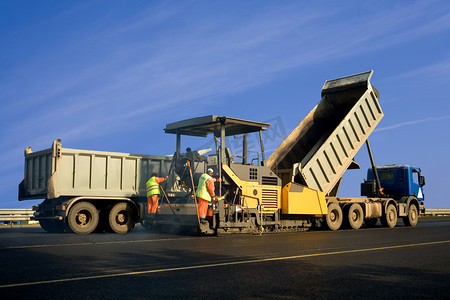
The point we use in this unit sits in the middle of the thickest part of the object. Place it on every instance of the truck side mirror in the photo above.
(421, 180)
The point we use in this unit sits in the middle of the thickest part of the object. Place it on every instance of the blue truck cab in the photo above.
(398, 181)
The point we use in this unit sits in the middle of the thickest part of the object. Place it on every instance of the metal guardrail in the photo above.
(437, 212)
(15, 215)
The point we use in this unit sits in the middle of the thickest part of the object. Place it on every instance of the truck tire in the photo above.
(122, 218)
(83, 218)
(334, 216)
(389, 219)
(413, 216)
(355, 216)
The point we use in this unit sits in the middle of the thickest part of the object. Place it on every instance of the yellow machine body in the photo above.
(257, 195)
(301, 200)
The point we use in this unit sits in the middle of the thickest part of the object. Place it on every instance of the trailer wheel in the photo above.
(413, 216)
(83, 218)
(334, 216)
(390, 217)
(355, 216)
(122, 218)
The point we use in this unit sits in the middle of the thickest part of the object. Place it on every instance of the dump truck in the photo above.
(88, 190)
(295, 189)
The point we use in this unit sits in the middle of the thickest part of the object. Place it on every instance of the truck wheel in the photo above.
(413, 216)
(334, 216)
(83, 218)
(390, 217)
(52, 226)
(355, 216)
(122, 218)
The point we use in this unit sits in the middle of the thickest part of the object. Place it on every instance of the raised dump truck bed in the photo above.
(322, 147)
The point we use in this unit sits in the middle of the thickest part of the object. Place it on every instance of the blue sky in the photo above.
(109, 75)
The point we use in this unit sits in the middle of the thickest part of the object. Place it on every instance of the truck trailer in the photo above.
(88, 190)
(295, 189)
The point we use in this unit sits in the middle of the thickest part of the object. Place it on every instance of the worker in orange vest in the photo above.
(205, 193)
(153, 192)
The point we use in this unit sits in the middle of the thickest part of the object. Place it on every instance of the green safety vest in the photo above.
(202, 190)
(152, 187)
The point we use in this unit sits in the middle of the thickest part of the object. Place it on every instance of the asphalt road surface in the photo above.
(369, 263)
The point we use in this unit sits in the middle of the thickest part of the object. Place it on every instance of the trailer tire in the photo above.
(389, 219)
(355, 216)
(122, 218)
(413, 216)
(83, 218)
(334, 216)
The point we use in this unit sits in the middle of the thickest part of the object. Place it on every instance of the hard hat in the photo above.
(210, 170)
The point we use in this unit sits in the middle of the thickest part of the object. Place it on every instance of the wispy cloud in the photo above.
(408, 123)
(438, 73)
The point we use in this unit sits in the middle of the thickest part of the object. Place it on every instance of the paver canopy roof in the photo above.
(202, 126)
